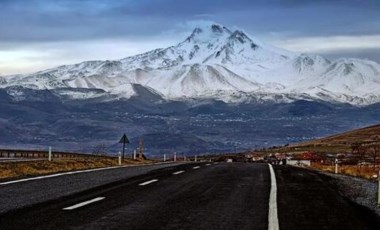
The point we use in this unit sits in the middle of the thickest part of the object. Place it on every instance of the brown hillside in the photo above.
(336, 143)
(369, 134)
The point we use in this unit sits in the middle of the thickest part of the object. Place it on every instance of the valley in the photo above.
(171, 126)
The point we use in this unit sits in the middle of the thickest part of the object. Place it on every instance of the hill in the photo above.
(337, 143)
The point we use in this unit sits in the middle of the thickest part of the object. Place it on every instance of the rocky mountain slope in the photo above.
(214, 62)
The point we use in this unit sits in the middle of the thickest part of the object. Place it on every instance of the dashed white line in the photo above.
(196, 167)
(84, 203)
(208, 164)
(272, 215)
(179, 172)
(148, 182)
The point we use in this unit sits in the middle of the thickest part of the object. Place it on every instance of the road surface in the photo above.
(188, 196)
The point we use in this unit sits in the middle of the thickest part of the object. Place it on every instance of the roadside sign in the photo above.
(124, 140)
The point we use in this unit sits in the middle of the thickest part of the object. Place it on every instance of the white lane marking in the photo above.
(76, 172)
(148, 182)
(56, 175)
(179, 172)
(196, 167)
(84, 203)
(272, 215)
(208, 164)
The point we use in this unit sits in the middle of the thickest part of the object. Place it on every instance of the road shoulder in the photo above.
(306, 196)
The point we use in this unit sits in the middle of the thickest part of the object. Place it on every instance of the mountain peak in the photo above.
(240, 36)
(211, 63)
(205, 32)
(211, 28)
(213, 33)
(215, 28)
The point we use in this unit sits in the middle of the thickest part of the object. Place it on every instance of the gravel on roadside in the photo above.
(361, 191)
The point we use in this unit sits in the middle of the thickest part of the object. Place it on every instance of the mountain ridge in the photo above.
(217, 63)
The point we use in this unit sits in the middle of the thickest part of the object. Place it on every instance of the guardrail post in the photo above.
(164, 157)
(195, 159)
(175, 156)
(134, 154)
(49, 154)
(119, 158)
(378, 189)
(336, 166)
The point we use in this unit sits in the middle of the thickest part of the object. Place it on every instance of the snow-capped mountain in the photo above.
(214, 62)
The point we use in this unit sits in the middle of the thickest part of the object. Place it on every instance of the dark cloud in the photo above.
(39, 20)
(24, 23)
(46, 20)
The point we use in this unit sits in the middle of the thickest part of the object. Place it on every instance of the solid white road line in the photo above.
(58, 174)
(148, 182)
(179, 172)
(84, 203)
(196, 167)
(272, 215)
(208, 164)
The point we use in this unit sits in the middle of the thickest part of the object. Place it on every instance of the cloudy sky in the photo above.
(38, 34)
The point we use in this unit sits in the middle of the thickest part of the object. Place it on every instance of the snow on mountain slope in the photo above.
(216, 62)
(197, 80)
(347, 80)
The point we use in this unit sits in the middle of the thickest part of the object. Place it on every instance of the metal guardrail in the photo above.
(11, 153)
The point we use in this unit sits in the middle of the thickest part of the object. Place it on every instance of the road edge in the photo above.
(76, 172)
(273, 223)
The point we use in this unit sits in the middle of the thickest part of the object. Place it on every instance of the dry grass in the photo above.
(342, 142)
(339, 143)
(34, 168)
(366, 172)
(367, 134)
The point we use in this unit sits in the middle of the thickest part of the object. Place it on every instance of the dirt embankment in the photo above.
(13, 170)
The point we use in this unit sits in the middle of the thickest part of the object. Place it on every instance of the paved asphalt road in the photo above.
(192, 196)
(28, 193)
